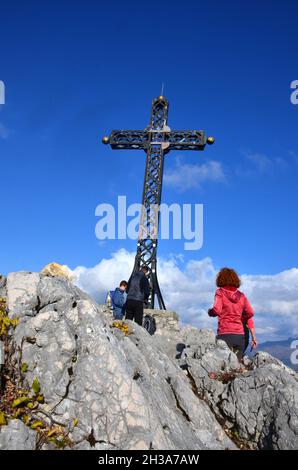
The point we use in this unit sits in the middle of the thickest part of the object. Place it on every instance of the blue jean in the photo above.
(118, 315)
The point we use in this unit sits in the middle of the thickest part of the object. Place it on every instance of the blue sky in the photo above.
(75, 70)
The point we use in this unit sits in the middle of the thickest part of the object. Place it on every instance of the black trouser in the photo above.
(246, 337)
(235, 342)
(135, 311)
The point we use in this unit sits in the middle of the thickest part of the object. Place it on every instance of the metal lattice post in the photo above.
(157, 139)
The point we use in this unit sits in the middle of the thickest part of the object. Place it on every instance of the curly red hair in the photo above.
(227, 277)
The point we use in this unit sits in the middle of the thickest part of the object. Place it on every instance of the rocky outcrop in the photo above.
(58, 270)
(178, 389)
(17, 436)
(257, 403)
(2, 285)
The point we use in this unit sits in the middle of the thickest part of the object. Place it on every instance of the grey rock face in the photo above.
(2, 286)
(202, 356)
(17, 436)
(167, 323)
(186, 420)
(263, 405)
(125, 391)
(22, 293)
(166, 391)
(258, 403)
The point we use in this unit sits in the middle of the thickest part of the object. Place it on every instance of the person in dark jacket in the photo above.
(119, 301)
(234, 312)
(138, 291)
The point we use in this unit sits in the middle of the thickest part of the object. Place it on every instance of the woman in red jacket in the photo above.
(234, 312)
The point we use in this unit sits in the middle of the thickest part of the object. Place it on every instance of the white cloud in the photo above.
(188, 288)
(259, 163)
(97, 281)
(186, 176)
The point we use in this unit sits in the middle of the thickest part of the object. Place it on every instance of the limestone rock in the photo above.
(58, 270)
(22, 293)
(263, 405)
(17, 436)
(166, 391)
(2, 286)
(259, 402)
(167, 322)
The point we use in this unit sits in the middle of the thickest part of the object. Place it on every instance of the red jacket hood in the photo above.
(232, 293)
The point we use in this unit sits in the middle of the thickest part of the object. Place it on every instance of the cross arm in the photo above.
(170, 140)
(187, 140)
(120, 139)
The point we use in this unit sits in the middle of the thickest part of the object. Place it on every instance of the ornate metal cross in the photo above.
(157, 139)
